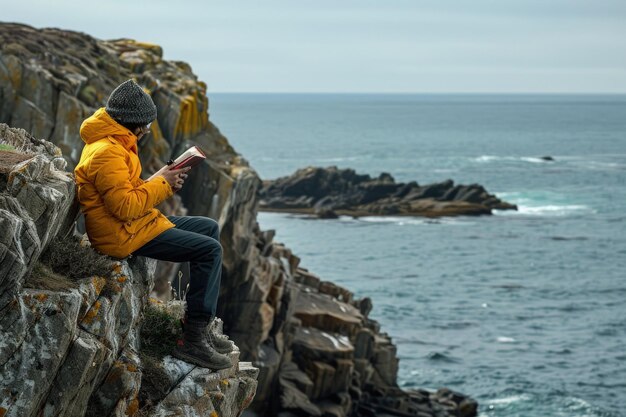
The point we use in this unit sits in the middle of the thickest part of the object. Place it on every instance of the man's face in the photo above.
(144, 130)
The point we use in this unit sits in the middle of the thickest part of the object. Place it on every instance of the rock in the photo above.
(326, 312)
(296, 389)
(385, 360)
(364, 305)
(36, 204)
(326, 214)
(268, 363)
(314, 344)
(330, 192)
(39, 348)
(364, 344)
(76, 378)
(306, 278)
(335, 291)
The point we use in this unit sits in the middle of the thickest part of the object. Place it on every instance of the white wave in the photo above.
(408, 220)
(504, 339)
(399, 220)
(533, 160)
(601, 165)
(576, 162)
(578, 404)
(542, 203)
(486, 158)
(509, 400)
(340, 158)
(555, 210)
(491, 158)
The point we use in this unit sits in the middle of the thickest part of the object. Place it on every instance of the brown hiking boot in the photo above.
(193, 348)
(219, 342)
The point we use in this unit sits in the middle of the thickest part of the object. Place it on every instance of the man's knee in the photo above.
(214, 224)
(212, 248)
(218, 249)
(211, 227)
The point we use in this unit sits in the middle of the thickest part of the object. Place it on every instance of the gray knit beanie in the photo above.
(128, 103)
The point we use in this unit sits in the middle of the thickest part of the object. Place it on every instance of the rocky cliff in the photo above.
(73, 344)
(317, 350)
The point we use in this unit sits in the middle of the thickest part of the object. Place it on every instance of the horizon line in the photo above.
(424, 93)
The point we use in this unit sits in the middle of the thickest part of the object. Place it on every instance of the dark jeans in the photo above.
(195, 239)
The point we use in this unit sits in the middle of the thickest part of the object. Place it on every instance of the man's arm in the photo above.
(112, 181)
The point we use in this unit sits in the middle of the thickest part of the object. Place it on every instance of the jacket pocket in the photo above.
(131, 228)
(134, 226)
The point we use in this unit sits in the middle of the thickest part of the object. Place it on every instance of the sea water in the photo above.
(525, 311)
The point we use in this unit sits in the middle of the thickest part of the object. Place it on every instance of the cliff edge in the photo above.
(77, 344)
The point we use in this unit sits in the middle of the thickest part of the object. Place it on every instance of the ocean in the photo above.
(525, 311)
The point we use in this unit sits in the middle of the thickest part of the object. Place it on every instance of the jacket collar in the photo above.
(101, 125)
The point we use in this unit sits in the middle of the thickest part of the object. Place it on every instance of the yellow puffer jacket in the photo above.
(118, 205)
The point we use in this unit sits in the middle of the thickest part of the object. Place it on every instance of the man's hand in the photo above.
(175, 177)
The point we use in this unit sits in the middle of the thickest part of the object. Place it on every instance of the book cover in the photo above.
(190, 158)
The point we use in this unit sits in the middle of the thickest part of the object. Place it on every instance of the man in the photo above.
(121, 219)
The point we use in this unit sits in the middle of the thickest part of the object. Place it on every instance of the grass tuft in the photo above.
(69, 258)
(65, 262)
(44, 278)
(160, 331)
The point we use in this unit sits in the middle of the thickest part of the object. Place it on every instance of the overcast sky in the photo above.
(366, 46)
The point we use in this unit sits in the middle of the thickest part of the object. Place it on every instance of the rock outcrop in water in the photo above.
(328, 192)
(316, 349)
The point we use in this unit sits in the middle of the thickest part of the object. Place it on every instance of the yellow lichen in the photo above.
(152, 47)
(133, 407)
(93, 312)
(236, 170)
(155, 131)
(115, 288)
(15, 73)
(41, 297)
(98, 284)
(189, 120)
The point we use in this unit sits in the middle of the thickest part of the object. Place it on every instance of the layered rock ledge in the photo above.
(316, 349)
(329, 192)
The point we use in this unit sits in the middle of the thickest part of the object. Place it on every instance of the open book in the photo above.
(190, 158)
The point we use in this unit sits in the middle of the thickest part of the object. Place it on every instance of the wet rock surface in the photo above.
(305, 346)
(329, 192)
